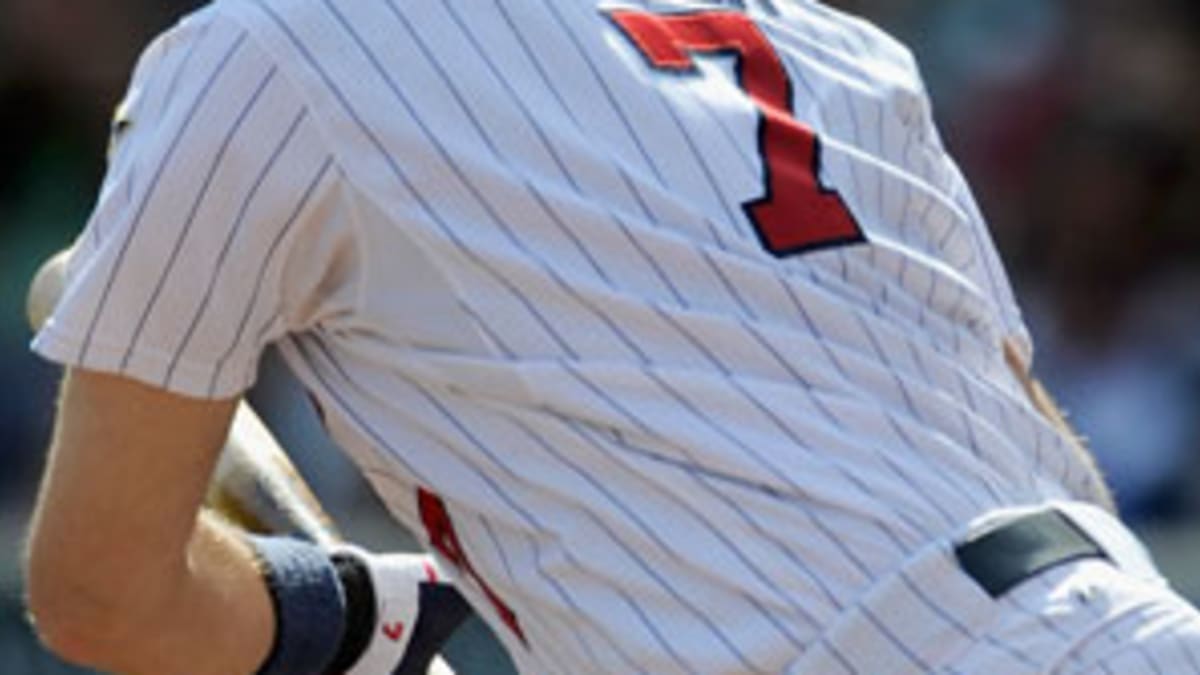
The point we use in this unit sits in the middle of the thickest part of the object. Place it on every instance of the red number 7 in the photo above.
(797, 213)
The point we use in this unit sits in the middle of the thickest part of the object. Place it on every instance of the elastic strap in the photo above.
(361, 611)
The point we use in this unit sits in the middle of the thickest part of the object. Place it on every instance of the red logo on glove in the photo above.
(394, 631)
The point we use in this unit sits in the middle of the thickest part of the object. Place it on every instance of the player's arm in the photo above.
(123, 575)
(1045, 404)
(252, 485)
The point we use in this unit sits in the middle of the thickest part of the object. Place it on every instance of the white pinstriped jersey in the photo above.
(505, 246)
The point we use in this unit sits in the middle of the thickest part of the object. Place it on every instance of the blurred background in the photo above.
(1077, 121)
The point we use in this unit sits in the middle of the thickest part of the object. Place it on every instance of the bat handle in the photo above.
(257, 486)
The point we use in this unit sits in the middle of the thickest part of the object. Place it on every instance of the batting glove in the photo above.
(400, 612)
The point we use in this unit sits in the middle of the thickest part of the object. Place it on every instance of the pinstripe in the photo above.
(912, 408)
(483, 448)
(547, 82)
(530, 116)
(119, 146)
(340, 394)
(636, 421)
(290, 223)
(890, 637)
(1010, 651)
(529, 305)
(708, 479)
(547, 648)
(838, 656)
(546, 325)
(977, 245)
(173, 85)
(539, 129)
(141, 210)
(483, 325)
(562, 167)
(937, 608)
(811, 327)
(732, 219)
(611, 98)
(485, 137)
(236, 228)
(335, 392)
(729, 286)
(502, 552)
(702, 476)
(189, 221)
(1149, 657)
(885, 150)
(561, 592)
(1006, 422)
(781, 426)
(970, 395)
(692, 340)
(546, 267)
(856, 132)
(649, 259)
(719, 123)
(933, 466)
(648, 569)
(845, 549)
(495, 486)
(270, 324)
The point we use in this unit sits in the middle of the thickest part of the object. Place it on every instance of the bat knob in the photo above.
(46, 288)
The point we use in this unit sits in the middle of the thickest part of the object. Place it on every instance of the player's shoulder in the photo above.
(206, 26)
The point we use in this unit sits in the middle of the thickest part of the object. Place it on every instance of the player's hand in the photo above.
(416, 611)
(257, 489)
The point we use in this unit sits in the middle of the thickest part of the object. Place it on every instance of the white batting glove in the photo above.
(415, 611)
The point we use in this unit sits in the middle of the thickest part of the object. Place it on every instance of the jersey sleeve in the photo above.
(218, 179)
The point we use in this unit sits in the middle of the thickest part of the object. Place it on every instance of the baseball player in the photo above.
(669, 325)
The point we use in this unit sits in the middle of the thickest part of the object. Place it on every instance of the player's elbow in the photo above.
(75, 615)
(59, 622)
(62, 635)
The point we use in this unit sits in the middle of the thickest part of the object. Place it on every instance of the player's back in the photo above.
(678, 312)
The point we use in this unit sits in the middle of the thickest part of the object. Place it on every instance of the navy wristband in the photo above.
(310, 607)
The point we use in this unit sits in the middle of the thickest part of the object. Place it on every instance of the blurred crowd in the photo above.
(1077, 122)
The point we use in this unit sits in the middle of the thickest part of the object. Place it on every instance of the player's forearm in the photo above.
(222, 622)
(209, 615)
(120, 574)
